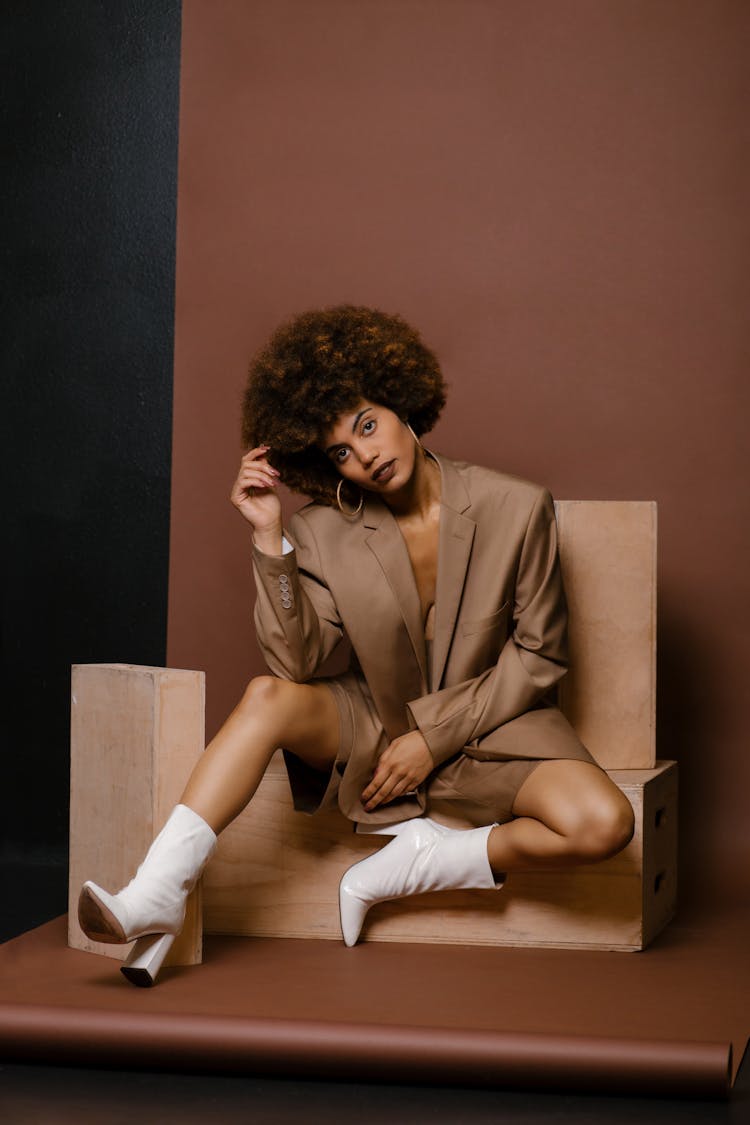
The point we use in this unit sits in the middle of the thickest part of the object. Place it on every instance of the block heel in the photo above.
(146, 959)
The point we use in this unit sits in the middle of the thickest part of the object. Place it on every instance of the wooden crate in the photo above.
(608, 560)
(136, 733)
(276, 873)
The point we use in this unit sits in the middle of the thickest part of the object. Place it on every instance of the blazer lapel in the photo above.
(454, 551)
(387, 544)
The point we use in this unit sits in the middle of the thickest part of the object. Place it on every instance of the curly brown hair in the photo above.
(321, 364)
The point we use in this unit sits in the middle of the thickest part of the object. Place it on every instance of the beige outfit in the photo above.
(482, 691)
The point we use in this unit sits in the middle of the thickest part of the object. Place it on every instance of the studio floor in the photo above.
(34, 1092)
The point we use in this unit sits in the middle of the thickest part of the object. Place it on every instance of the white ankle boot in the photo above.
(152, 905)
(424, 856)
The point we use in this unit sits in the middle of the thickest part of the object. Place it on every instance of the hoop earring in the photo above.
(342, 509)
(416, 439)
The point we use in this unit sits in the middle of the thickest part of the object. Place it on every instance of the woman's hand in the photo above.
(254, 493)
(402, 767)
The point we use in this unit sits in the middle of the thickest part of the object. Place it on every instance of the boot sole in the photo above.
(97, 921)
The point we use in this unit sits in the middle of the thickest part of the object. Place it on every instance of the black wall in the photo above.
(89, 158)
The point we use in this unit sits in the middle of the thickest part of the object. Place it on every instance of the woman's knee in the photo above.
(303, 717)
(603, 826)
(266, 692)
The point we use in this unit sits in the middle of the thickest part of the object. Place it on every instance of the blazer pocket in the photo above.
(483, 624)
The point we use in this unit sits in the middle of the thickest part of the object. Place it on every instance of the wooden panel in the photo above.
(136, 733)
(276, 873)
(179, 726)
(608, 558)
(660, 859)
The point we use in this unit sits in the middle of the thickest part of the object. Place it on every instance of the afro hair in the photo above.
(321, 364)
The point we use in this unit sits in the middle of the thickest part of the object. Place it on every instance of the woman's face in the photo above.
(372, 447)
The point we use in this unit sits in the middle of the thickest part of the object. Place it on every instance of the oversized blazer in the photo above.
(499, 647)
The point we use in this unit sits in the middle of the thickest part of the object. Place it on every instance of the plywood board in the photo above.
(608, 559)
(276, 873)
(136, 733)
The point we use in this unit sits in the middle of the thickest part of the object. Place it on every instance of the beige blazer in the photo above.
(499, 646)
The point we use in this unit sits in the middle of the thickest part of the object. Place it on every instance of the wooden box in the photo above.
(608, 561)
(276, 873)
(136, 733)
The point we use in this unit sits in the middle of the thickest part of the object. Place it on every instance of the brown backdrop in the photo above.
(556, 195)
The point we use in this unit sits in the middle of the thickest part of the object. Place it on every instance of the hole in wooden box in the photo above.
(658, 881)
(660, 816)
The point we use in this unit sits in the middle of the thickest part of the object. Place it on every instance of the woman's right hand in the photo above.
(254, 493)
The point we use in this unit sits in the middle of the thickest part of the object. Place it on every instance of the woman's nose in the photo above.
(366, 454)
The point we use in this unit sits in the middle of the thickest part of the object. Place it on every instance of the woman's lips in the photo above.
(385, 472)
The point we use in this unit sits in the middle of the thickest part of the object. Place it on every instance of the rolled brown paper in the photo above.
(365, 1052)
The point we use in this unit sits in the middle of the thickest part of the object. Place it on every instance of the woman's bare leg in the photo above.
(302, 718)
(566, 812)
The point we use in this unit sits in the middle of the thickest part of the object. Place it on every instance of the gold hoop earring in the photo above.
(342, 509)
(416, 439)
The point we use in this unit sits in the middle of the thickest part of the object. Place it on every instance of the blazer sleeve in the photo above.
(533, 659)
(296, 619)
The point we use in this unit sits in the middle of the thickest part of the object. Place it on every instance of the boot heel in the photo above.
(146, 958)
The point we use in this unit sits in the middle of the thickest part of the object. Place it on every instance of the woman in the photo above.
(444, 577)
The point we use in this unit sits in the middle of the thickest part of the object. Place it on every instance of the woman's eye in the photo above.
(369, 422)
(340, 454)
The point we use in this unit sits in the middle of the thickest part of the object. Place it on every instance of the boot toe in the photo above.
(352, 912)
(96, 918)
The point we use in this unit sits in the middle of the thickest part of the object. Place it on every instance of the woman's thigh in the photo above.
(572, 797)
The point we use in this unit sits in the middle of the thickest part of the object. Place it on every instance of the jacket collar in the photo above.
(454, 551)
(457, 530)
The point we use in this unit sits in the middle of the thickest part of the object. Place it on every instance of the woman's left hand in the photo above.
(402, 767)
